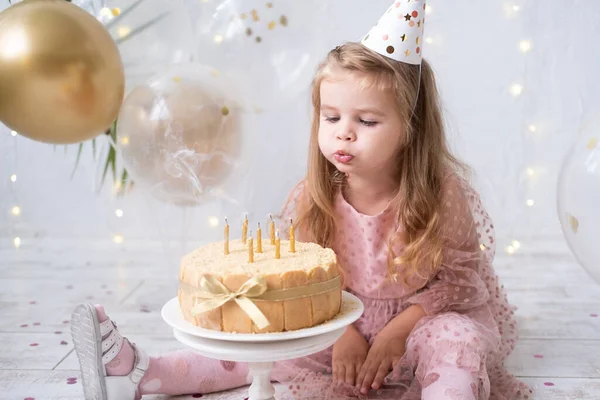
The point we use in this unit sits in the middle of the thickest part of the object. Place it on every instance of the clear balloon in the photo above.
(179, 135)
(61, 75)
(274, 44)
(579, 199)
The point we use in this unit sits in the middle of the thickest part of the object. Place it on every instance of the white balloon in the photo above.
(579, 199)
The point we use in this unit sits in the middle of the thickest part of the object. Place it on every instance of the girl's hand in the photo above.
(385, 352)
(349, 353)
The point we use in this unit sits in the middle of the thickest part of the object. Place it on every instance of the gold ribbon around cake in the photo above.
(212, 294)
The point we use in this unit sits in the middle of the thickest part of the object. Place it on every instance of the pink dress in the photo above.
(469, 321)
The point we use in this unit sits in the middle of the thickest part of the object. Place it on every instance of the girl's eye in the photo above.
(368, 123)
(332, 119)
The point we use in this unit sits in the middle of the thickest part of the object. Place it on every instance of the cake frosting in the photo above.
(305, 283)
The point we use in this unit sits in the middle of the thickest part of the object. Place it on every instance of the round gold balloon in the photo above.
(61, 75)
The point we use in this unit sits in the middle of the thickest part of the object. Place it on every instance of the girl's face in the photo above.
(360, 130)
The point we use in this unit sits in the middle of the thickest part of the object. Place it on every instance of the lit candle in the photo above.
(259, 239)
(272, 229)
(277, 244)
(226, 233)
(292, 237)
(245, 230)
(250, 249)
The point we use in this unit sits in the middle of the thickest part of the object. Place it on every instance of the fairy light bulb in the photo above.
(118, 239)
(17, 242)
(530, 202)
(510, 249)
(123, 31)
(516, 244)
(13, 178)
(530, 172)
(213, 221)
(13, 133)
(429, 39)
(525, 46)
(532, 128)
(16, 211)
(428, 9)
(516, 89)
(218, 39)
(119, 212)
(516, 8)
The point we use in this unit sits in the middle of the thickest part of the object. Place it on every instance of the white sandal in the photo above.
(94, 353)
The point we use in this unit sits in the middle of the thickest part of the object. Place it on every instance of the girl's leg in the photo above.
(111, 364)
(449, 383)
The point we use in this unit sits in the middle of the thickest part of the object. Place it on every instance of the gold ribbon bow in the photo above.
(214, 294)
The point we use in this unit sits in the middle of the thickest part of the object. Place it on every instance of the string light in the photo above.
(516, 89)
(429, 39)
(530, 202)
(516, 244)
(516, 8)
(218, 39)
(13, 133)
(106, 12)
(13, 178)
(213, 221)
(119, 212)
(123, 31)
(17, 242)
(118, 239)
(525, 46)
(16, 211)
(532, 128)
(510, 249)
(530, 171)
(428, 9)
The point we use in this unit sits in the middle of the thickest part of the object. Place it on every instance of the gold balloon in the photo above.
(61, 74)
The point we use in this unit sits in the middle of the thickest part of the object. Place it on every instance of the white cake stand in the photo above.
(261, 350)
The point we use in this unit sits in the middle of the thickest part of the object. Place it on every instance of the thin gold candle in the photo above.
(226, 233)
(272, 229)
(250, 249)
(259, 239)
(277, 246)
(245, 230)
(292, 237)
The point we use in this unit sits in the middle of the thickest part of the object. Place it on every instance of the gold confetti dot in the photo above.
(225, 111)
(574, 222)
(258, 39)
(418, 40)
(390, 49)
(272, 25)
(283, 20)
(249, 32)
(407, 53)
(269, 5)
(176, 79)
(591, 145)
(255, 16)
(115, 11)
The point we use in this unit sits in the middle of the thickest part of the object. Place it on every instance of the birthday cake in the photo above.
(237, 286)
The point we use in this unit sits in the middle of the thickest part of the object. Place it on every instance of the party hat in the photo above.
(399, 32)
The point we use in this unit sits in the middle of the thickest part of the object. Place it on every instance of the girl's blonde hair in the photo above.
(424, 159)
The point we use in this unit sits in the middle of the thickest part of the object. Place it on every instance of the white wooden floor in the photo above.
(559, 351)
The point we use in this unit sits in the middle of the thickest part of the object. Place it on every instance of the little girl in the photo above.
(412, 238)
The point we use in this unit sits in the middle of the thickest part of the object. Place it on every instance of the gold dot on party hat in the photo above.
(225, 111)
(592, 143)
(403, 37)
(390, 49)
(283, 20)
(258, 39)
(574, 222)
(418, 40)
(255, 16)
(272, 25)
(407, 53)
(249, 32)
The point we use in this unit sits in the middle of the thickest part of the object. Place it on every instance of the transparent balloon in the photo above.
(180, 135)
(273, 43)
(579, 199)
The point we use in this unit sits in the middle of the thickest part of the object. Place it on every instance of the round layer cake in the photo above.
(311, 271)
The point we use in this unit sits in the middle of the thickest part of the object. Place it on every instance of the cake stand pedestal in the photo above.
(260, 351)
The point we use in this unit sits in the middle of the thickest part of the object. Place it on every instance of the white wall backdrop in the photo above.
(518, 80)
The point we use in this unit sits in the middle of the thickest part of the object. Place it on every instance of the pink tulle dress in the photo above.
(469, 321)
